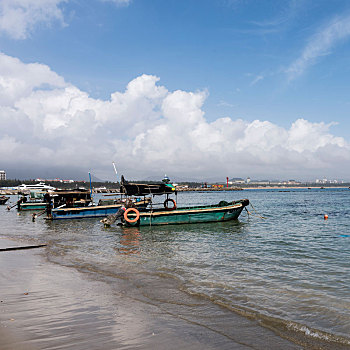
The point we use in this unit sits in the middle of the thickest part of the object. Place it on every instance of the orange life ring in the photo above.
(131, 210)
(166, 204)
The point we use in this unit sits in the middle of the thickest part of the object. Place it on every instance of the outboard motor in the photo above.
(111, 219)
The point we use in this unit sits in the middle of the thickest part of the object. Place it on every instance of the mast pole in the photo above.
(90, 184)
(115, 170)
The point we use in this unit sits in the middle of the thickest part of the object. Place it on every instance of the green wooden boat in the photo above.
(210, 213)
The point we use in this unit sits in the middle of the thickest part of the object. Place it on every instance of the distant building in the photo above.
(55, 180)
(248, 180)
(325, 181)
(2, 175)
(293, 182)
(277, 182)
(260, 182)
(236, 180)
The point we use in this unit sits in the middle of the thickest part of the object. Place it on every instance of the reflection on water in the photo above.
(130, 241)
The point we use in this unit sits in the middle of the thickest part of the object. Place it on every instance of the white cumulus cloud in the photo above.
(18, 18)
(147, 129)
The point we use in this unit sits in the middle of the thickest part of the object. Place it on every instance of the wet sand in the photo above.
(48, 306)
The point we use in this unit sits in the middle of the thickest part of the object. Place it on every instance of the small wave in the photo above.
(317, 333)
(298, 333)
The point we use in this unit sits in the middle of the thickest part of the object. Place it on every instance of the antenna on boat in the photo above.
(115, 170)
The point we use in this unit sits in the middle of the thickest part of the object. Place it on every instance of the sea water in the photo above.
(281, 263)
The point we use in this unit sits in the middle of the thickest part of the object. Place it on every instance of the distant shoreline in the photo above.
(292, 187)
(200, 189)
(283, 187)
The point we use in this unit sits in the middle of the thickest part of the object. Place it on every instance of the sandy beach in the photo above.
(47, 306)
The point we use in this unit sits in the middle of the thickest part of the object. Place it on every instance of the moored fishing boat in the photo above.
(131, 216)
(25, 206)
(222, 211)
(38, 199)
(69, 205)
(95, 211)
(35, 202)
(36, 193)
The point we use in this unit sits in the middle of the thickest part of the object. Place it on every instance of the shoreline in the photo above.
(46, 305)
(116, 192)
(294, 187)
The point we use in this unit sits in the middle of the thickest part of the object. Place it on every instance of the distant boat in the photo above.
(25, 206)
(38, 198)
(39, 186)
(4, 199)
(223, 211)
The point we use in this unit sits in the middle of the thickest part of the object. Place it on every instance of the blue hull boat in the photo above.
(96, 211)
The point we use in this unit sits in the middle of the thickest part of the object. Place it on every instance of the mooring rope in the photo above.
(257, 214)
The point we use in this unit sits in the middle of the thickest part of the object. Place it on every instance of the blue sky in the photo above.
(274, 61)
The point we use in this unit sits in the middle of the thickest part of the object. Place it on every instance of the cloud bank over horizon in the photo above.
(148, 130)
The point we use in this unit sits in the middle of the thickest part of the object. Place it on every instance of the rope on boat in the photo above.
(9, 208)
(34, 216)
(256, 213)
(151, 213)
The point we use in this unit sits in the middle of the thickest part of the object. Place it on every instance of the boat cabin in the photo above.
(68, 198)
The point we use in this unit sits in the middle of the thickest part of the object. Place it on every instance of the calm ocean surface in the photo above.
(290, 271)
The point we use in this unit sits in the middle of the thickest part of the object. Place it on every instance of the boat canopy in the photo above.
(69, 198)
(77, 191)
(137, 189)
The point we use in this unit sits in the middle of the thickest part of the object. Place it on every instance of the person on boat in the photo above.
(23, 199)
(48, 200)
(69, 202)
(130, 204)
